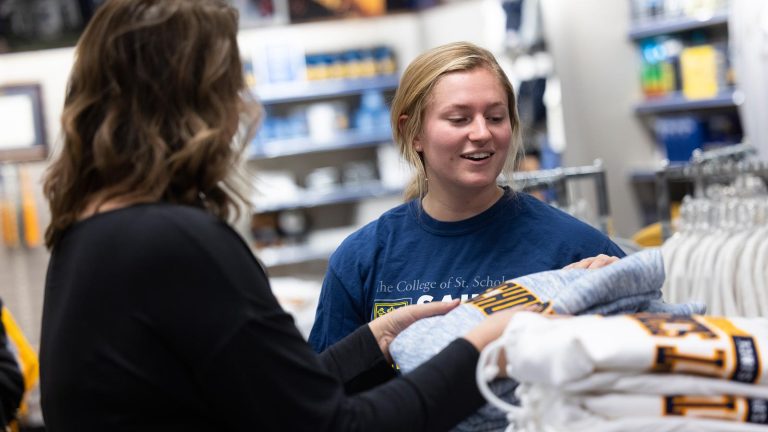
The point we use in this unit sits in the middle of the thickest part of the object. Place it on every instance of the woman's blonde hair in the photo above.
(413, 96)
(155, 98)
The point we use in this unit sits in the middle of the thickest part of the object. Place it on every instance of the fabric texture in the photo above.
(158, 317)
(407, 257)
(632, 284)
(662, 384)
(731, 407)
(552, 411)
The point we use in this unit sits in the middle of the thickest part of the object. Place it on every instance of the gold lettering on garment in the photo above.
(725, 407)
(507, 295)
(668, 359)
(711, 346)
(744, 350)
(674, 326)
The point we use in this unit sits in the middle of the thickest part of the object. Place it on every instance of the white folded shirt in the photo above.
(723, 407)
(662, 384)
(557, 351)
(551, 411)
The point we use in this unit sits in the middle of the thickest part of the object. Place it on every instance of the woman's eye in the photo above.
(457, 120)
(495, 119)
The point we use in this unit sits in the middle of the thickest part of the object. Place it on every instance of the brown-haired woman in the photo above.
(157, 316)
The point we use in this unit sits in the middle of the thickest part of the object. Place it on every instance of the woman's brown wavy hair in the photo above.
(154, 103)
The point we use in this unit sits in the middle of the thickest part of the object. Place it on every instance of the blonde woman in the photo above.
(454, 120)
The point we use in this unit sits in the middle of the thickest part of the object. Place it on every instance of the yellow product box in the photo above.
(699, 71)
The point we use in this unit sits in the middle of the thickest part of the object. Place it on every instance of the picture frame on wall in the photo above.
(22, 125)
(311, 10)
(260, 13)
(314, 10)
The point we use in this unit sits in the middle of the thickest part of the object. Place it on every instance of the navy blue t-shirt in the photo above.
(407, 257)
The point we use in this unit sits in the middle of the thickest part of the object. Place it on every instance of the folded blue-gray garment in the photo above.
(632, 284)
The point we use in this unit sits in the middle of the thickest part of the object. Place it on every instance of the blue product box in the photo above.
(680, 136)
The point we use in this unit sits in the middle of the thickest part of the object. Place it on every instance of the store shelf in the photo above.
(307, 90)
(677, 102)
(298, 146)
(675, 25)
(341, 194)
(318, 246)
(642, 175)
(295, 254)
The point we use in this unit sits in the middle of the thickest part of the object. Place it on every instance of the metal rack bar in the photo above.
(719, 164)
(558, 179)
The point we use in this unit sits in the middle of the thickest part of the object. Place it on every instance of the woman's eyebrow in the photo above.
(467, 106)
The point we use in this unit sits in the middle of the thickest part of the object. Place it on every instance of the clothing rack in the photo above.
(558, 179)
(717, 165)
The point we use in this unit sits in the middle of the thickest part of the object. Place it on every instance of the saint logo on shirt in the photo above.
(383, 307)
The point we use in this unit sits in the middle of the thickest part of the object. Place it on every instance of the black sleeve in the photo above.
(262, 375)
(255, 370)
(357, 361)
(444, 390)
(282, 385)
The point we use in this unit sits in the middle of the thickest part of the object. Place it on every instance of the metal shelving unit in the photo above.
(302, 155)
(678, 102)
(727, 162)
(337, 195)
(297, 146)
(558, 179)
(683, 34)
(309, 90)
(675, 25)
(293, 254)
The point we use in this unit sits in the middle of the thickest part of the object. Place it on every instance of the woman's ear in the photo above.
(417, 144)
(401, 127)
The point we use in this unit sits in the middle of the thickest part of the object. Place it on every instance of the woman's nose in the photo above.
(479, 130)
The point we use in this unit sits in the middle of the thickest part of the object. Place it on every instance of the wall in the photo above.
(598, 69)
(22, 271)
(478, 21)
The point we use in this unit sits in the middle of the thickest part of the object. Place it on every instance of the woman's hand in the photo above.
(493, 326)
(385, 328)
(592, 263)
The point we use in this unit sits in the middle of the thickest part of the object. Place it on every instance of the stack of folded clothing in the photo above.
(640, 372)
(633, 284)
